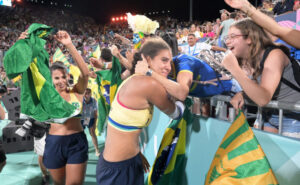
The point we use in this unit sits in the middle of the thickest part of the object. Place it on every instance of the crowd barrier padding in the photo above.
(204, 136)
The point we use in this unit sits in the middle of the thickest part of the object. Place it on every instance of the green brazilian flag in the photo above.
(240, 159)
(39, 98)
(170, 161)
(108, 82)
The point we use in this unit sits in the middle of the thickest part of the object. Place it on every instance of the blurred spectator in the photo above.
(223, 31)
(268, 5)
(283, 7)
(296, 5)
(194, 31)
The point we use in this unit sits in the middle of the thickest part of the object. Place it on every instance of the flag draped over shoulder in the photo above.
(169, 164)
(108, 83)
(39, 98)
(240, 159)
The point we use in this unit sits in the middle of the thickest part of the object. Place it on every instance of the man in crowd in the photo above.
(193, 48)
(224, 28)
(89, 117)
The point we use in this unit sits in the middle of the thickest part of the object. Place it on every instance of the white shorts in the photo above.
(39, 145)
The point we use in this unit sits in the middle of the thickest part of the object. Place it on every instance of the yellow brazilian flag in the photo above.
(240, 159)
(97, 53)
(170, 161)
(92, 84)
(59, 56)
(75, 71)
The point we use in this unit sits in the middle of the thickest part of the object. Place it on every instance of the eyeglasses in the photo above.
(232, 36)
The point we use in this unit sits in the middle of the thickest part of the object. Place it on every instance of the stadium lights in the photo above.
(119, 19)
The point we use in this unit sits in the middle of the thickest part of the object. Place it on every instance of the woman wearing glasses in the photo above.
(251, 49)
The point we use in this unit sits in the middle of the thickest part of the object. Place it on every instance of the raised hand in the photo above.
(96, 63)
(237, 4)
(63, 37)
(114, 50)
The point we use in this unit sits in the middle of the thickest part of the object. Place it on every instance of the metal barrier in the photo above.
(281, 106)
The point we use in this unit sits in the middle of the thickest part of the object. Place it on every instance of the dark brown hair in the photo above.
(150, 48)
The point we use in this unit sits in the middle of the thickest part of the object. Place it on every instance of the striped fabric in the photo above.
(59, 56)
(169, 164)
(240, 159)
(108, 82)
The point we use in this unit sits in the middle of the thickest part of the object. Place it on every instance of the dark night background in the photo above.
(103, 10)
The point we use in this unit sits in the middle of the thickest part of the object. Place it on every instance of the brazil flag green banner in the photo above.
(169, 165)
(240, 159)
(39, 98)
(108, 83)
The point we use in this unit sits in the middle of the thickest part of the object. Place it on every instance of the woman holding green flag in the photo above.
(66, 150)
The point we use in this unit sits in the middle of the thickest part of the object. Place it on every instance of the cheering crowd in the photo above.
(236, 55)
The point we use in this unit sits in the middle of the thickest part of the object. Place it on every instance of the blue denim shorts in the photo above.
(62, 150)
(290, 124)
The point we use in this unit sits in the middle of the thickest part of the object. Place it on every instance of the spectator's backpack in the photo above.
(295, 66)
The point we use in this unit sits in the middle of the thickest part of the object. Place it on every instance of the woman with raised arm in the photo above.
(289, 35)
(66, 150)
(252, 50)
(121, 161)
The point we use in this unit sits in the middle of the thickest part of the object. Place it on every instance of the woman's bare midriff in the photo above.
(120, 146)
(71, 126)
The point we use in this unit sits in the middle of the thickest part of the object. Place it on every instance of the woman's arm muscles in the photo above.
(84, 76)
(179, 89)
(64, 38)
(157, 95)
